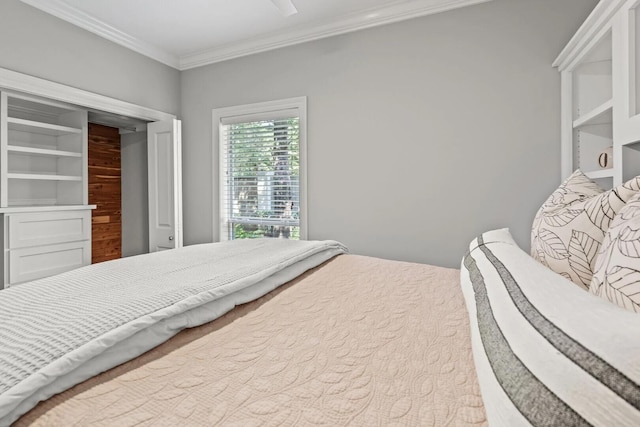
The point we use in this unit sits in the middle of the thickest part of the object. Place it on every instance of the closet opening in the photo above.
(117, 164)
(44, 181)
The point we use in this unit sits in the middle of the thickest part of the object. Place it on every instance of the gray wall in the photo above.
(135, 202)
(35, 43)
(421, 134)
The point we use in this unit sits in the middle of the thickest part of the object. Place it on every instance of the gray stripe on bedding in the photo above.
(599, 369)
(539, 405)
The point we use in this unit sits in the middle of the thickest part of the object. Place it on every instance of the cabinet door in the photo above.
(46, 228)
(42, 261)
(626, 81)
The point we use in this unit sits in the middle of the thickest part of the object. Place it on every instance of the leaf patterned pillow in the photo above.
(571, 224)
(617, 271)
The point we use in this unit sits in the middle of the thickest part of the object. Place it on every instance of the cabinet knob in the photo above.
(170, 237)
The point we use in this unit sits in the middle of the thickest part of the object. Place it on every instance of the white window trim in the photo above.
(226, 113)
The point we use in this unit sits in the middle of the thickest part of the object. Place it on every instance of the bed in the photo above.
(277, 332)
(348, 340)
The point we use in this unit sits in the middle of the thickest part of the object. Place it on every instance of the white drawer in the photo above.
(34, 263)
(45, 228)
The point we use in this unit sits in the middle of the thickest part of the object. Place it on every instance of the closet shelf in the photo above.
(44, 177)
(602, 173)
(42, 151)
(48, 208)
(602, 114)
(40, 127)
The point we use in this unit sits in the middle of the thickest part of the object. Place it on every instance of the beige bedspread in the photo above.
(357, 341)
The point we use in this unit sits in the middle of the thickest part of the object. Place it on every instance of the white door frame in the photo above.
(12, 80)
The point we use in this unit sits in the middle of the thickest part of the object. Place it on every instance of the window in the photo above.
(262, 169)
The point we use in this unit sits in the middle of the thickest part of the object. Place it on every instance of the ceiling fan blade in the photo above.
(286, 7)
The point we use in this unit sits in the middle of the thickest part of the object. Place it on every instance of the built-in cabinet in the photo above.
(42, 243)
(46, 219)
(600, 78)
(43, 153)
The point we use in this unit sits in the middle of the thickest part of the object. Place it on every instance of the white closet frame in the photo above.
(12, 80)
(78, 251)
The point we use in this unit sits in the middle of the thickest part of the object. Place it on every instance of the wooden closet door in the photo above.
(105, 192)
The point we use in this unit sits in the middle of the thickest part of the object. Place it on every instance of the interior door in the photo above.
(165, 185)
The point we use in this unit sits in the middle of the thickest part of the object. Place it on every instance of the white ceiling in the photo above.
(189, 33)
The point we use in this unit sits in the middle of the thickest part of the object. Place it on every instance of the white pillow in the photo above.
(569, 227)
(546, 352)
(616, 277)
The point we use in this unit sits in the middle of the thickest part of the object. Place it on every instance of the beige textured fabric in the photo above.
(570, 225)
(357, 341)
(616, 277)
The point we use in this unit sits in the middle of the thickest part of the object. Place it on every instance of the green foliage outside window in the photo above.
(244, 231)
(264, 162)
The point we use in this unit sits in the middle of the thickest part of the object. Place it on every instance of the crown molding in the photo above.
(62, 10)
(358, 21)
(354, 22)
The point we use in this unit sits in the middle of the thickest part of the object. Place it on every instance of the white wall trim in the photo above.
(299, 103)
(595, 23)
(12, 80)
(358, 21)
(83, 20)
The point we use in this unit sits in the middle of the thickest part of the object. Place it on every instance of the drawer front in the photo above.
(35, 263)
(46, 228)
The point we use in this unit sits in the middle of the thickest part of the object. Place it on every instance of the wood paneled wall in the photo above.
(105, 192)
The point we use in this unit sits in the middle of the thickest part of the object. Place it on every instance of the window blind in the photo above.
(261, 177)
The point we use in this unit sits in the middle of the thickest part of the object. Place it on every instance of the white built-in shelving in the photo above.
(600, 75)
(600, 174)
(40, 127)
(592, 108)
(600, 115)
(43, 153)
(46, 219)
(44, 177)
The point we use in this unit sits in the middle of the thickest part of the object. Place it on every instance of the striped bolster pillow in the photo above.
(547, 353)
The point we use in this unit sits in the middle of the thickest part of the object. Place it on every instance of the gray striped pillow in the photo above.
(546, 352)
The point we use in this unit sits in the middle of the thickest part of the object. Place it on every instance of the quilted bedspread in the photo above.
(61, 330)
(358, 341)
